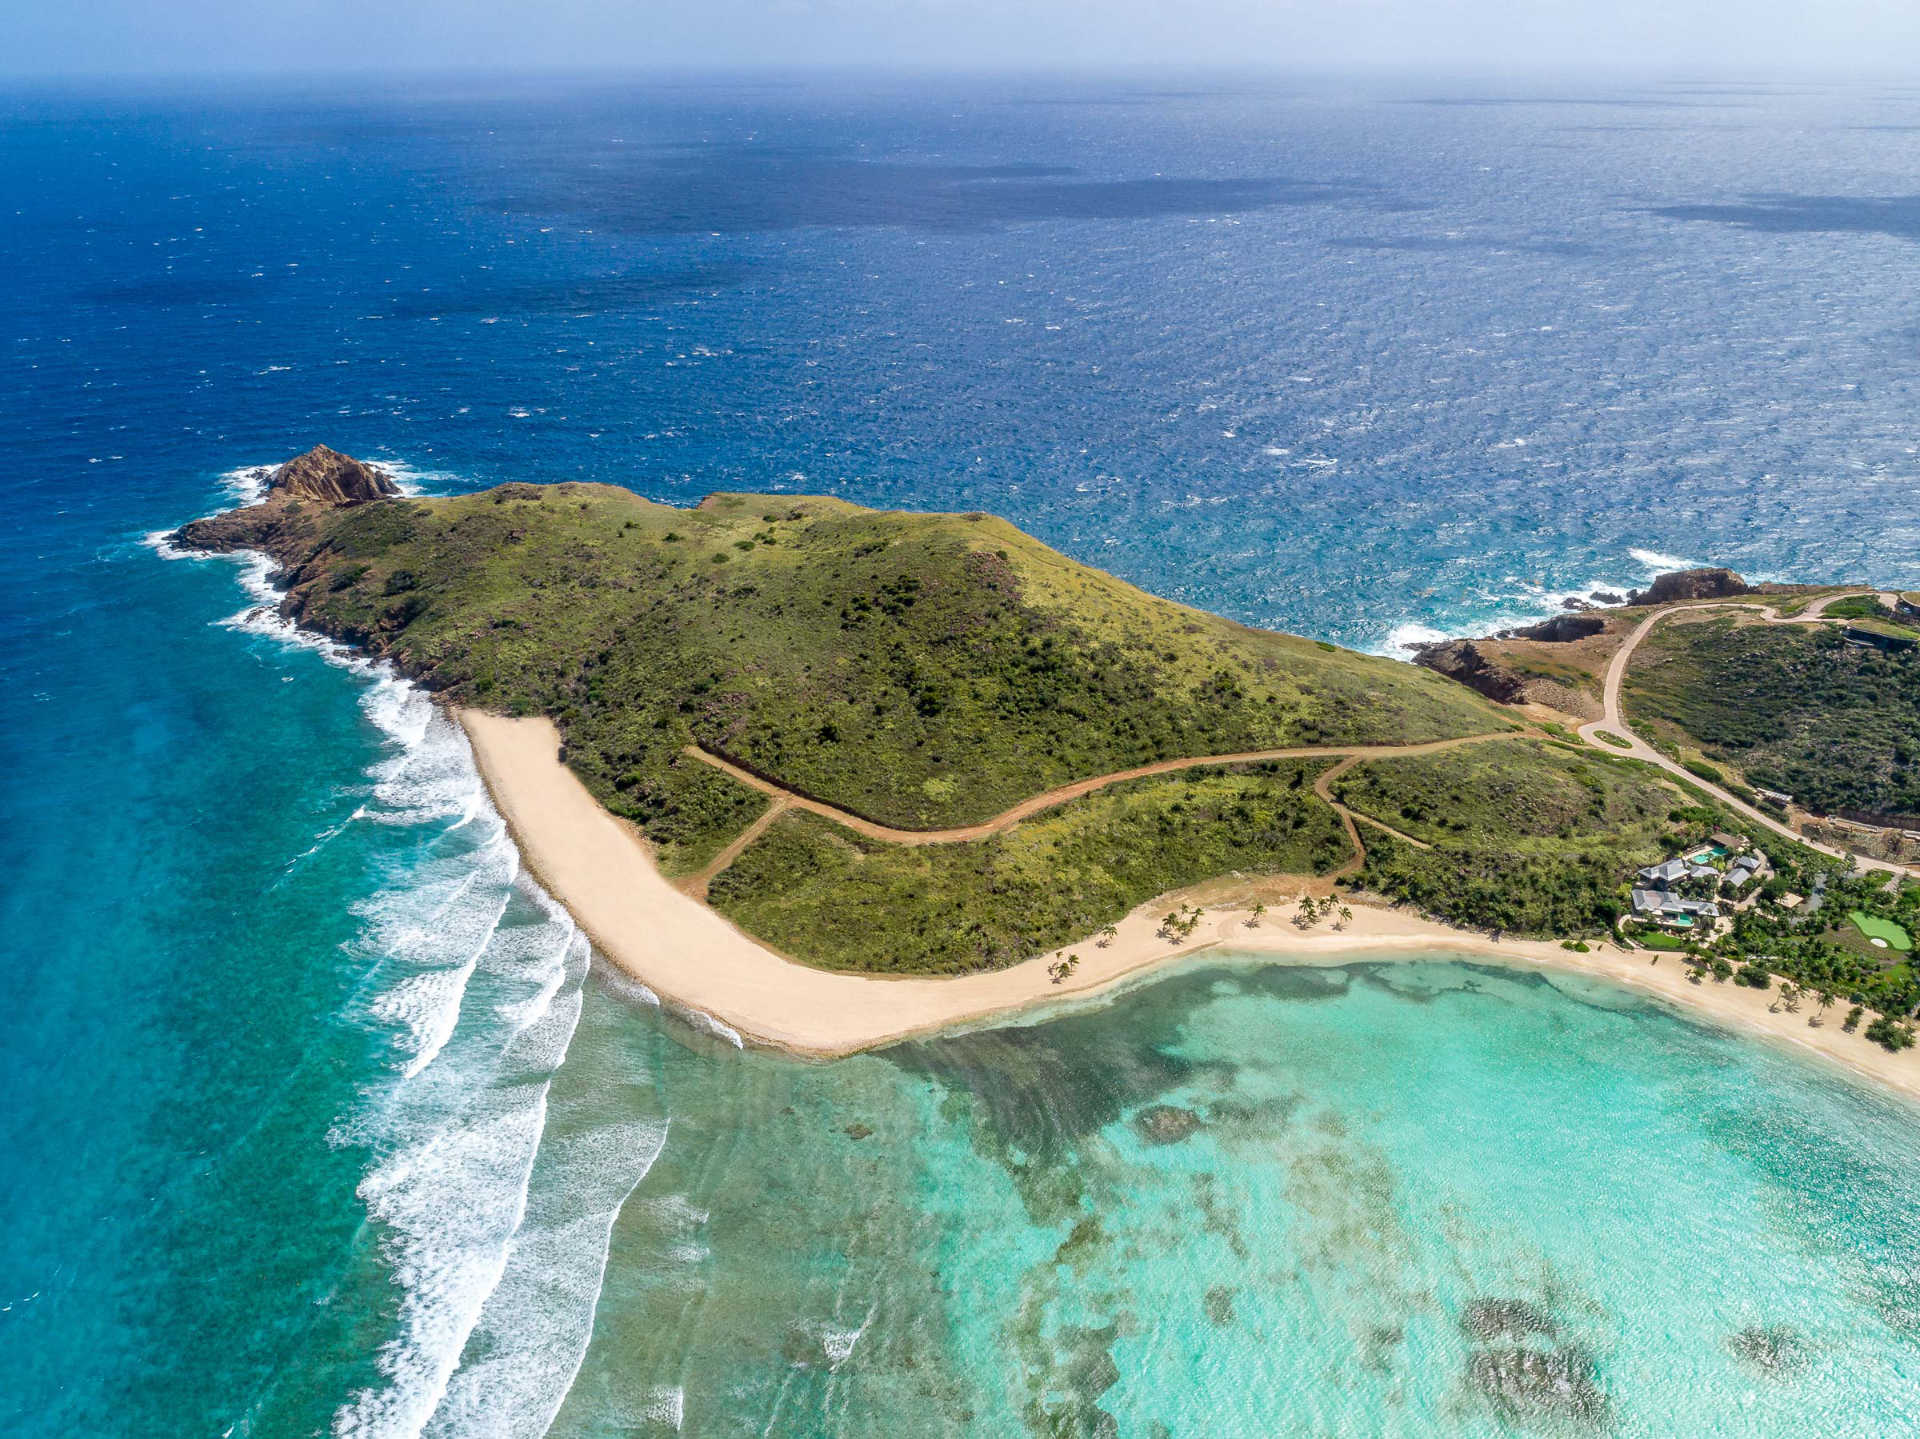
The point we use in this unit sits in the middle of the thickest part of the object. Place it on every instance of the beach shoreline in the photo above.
(693, 959)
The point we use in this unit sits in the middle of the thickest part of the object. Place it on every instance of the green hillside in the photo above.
(1796, 708)
(813, 888)
(919, 670)
(1525, 836)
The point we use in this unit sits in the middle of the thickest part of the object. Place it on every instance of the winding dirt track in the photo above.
(784, 799)
(1348, 756)
(1612, 719)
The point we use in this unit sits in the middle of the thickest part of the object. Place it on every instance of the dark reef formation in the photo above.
(1488, 1319)
(1774, 1350)
(1165, 1123)
(1529, 1385)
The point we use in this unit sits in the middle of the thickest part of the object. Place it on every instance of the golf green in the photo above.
(1873, 927)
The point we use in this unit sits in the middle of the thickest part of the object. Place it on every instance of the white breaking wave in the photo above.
(457, 1126)
(461, 1128)
(1529, 604)
(1402, 638)
(629, 988)
(161, 543)
(248, 484)
(531, 1339)
(717, 1027)
(838, 1344)
(1655, 563)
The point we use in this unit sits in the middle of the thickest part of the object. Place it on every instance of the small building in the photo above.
(1662, 907)
(1731, 843)
(1742, 870)
(1666, 874)
(1779, 797)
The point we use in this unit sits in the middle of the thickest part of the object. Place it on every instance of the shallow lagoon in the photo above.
(1388, 1198)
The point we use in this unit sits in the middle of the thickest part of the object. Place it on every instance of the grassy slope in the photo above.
(923, 670)
(1795, 708)
(813, 888)
(1527, 837)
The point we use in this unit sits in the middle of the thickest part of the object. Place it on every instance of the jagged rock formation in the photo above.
(1560, 630)
(321, 477)
(328, 477)
(1463, 660)
(1702, 584)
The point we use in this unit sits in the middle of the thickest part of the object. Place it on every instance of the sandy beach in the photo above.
(693, 959)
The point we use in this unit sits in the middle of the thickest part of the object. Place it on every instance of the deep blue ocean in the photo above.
(319, 1118)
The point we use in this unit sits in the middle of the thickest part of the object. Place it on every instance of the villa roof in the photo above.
(1659, 901)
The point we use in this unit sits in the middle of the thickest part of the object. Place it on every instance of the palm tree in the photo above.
(1253, 916)
(1790, 997)
(1107, 936)
(1346, 915)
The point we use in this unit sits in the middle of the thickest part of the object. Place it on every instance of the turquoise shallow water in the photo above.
(319, 1120)
(1400, 1180)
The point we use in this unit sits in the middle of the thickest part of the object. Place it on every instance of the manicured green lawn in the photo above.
(1874, 927)
(1657, 939)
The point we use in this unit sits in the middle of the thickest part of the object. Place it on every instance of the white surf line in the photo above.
(511, 1391)
(454, 1196)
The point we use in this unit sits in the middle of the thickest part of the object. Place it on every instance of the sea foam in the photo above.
(461, 1118)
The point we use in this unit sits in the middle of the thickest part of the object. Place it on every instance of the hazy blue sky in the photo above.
(53, 37)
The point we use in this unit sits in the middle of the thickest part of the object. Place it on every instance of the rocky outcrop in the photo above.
(1560, 630)
(284, 519)
(1702, 584)
(1463, 660)
(328, 477)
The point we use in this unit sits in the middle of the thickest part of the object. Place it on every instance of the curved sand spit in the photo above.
(693, 958)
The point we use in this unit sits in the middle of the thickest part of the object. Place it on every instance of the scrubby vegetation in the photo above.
(921, 670)
(1796, 708)
(933, 670)
(815, 889)
(1527, 837)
